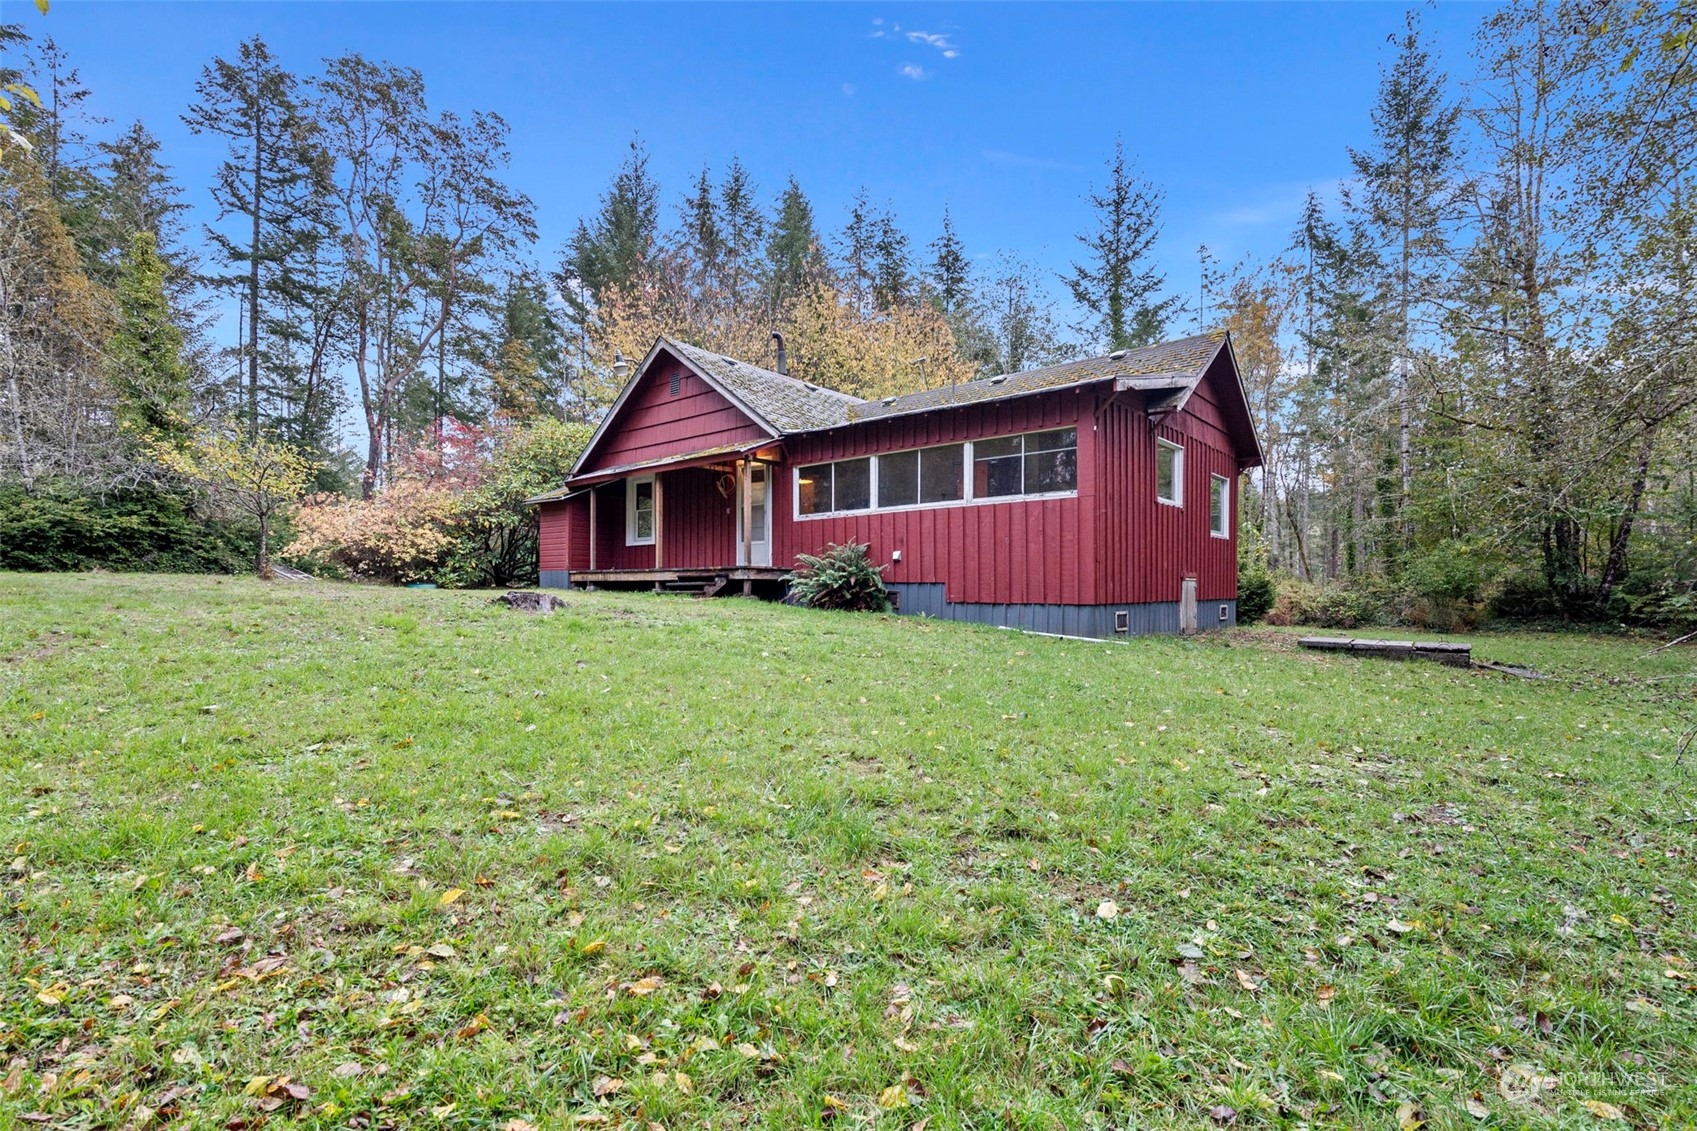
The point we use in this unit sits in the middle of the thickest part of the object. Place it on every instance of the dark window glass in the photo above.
(1051, 441)
(993, 477)
(1006, 446)
(851, 485)
(1051, 471)
(642, 525)
(898, 479)
(814, 488)
(1217, 510)
(940, 474)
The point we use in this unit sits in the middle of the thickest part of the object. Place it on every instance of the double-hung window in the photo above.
(1169, 473)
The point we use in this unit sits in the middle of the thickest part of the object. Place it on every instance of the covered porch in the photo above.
(697, 523)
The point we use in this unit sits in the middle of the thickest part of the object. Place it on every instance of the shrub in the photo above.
(843, 577)
(59, 528)
(1256, 590)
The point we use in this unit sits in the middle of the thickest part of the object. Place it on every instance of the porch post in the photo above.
(748, 523)
(594, 528)
(659, 525)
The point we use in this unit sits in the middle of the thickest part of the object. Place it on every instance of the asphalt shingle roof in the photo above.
(1176, 361)
(787, 403)
(790, 404)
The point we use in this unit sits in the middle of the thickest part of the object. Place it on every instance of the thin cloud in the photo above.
(935, 39)
(915, 72)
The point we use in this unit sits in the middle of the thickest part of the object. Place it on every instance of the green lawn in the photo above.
(360, 857)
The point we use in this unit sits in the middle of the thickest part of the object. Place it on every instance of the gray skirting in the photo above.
(930, 599)
(555, 579)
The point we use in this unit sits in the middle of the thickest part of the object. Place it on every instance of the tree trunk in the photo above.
(253, 272)
(1615, 568)
(263, 559)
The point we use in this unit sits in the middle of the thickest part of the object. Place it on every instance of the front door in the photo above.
(751, 502)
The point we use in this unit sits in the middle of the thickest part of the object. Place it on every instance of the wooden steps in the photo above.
(1453, 653)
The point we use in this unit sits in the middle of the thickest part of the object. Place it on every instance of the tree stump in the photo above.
(528, 601)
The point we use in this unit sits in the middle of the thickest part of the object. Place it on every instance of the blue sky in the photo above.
(1004, 113)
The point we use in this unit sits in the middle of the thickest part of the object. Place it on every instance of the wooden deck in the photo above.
(709, 582)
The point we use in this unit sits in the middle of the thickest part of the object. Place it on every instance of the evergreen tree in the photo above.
(950, 274)
(57, 130)
(271, 182)
(1407, 202)
(614, 249)
(146, 351)
(701, 236)
(892, 265)
(860, 251)
(793, 257)
(744, 231)
(1117, 283)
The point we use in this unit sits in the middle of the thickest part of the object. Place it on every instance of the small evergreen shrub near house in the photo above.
(1256, 589)
(843, 577)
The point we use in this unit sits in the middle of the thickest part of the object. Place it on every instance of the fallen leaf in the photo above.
(1399, 927)
(595, 947)
(642, 987)
(1247, 982)
(684, 1083)
(607, 1085)
(1476, 1108)
(1602, 1110)
(1107, 909)
(473, 1027)
(450, 896)
(1409, 1117)
(893, 1097)
(516, 1124)
(351, 1068)
(441, 950)
(1223, 1114)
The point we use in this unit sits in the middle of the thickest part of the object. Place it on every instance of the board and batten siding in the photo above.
(563, 535)
(1003, 551)
(653, 423)
(1147, 548)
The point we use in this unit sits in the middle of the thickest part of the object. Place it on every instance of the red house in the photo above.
(1086, 499)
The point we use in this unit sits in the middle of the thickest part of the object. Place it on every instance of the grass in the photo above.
(353, 857)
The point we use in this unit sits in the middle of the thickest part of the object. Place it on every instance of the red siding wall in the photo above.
(653, 423)
(697, 525)
(1148, 547)
(564, 535)
(1040, 551)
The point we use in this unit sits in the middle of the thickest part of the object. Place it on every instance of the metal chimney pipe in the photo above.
(783, 356)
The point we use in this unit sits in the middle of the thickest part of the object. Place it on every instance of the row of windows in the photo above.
(1036, 463)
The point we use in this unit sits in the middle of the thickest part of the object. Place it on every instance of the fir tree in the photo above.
(147, 367)
(892, 271)
(950, 274)
(614, 249)
(1117, 282)
(270, 182)
(701, 236)
(744, 230)
(1407, 202)
(793, 257)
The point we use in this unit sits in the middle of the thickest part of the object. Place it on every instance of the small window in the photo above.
(998, 467)
(1169, 473)
(1219, 506)
(639, 511)
(813, 488)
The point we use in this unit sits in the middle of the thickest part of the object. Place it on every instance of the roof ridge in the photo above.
(812, 386)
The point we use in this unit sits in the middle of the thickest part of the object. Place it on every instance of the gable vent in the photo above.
(677, 383)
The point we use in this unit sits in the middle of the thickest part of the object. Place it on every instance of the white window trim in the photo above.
(631, 538)
(967, 499)
(1178, 473)
(1224, 530)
